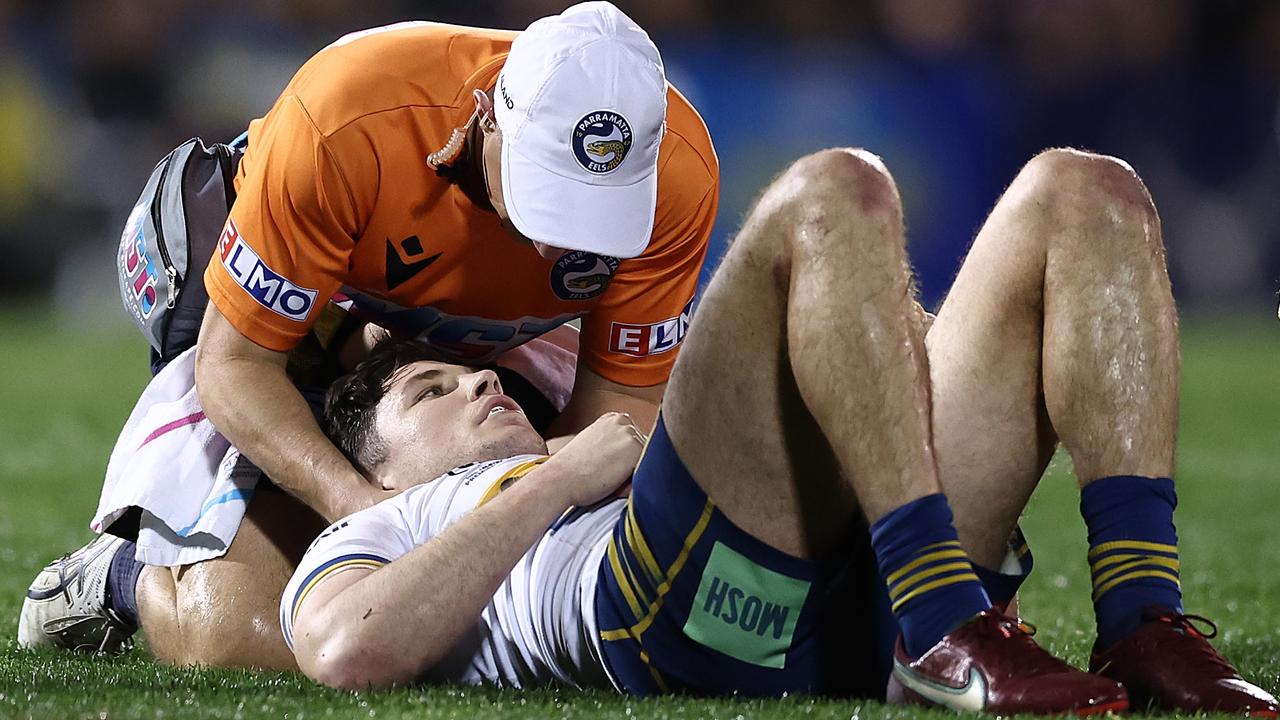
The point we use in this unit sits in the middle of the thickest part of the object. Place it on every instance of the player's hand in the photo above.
(599, 460)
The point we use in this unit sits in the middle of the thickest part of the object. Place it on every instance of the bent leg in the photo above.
(797, 400)
(809, 338)
(225, 612)
(1060, 323)
(805, 368)
(1063, 316)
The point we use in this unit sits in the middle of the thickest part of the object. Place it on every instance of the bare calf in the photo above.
(1060, 325)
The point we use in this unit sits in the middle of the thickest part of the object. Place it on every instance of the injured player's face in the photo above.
(435, 417)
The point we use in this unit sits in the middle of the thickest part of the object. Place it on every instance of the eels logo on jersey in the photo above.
(601, 141)
(579, 275)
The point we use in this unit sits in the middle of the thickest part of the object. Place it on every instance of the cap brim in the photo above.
(555, 210)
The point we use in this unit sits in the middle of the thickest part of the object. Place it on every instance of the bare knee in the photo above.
(1095, 192)
(839, 195)
(846, 179)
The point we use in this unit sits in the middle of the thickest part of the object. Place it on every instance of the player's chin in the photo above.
(514, 436)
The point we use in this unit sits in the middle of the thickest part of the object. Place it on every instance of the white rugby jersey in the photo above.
(540, 626)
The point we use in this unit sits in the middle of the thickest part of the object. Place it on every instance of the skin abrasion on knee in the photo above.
(850, 174)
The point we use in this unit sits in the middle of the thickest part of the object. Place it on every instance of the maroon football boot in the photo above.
(991, 664)
(1168, 662)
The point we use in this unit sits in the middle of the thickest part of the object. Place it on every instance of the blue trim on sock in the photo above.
(914, 532)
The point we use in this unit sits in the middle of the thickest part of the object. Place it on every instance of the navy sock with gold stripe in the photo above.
(931, 582)
(1133, 551)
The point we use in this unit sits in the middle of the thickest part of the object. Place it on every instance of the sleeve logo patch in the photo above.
(271, 289)
(652, 339)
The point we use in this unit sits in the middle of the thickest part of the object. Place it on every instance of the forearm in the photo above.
(244, 390)
(360, 344)
(269, 421)
(588, 403)
(394, 624)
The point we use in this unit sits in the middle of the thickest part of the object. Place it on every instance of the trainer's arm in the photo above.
(594, 396)
(362, 628)
(244, 390)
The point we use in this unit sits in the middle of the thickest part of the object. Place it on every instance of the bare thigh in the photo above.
(225, 612)
(737, 420)
(768, 404)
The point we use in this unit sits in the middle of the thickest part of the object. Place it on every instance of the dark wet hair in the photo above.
(349, 404)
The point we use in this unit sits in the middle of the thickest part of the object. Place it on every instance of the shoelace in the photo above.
(71, 566)
(1033, 658)
(1199, 649)
(1005, 625)
(68, 571)
(1188, 622)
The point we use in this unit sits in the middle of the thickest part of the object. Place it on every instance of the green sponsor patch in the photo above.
(745, 611)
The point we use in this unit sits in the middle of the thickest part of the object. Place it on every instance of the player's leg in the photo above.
(225, 612)
(804, 367)
(157, 595)
(769, 488)
(801, 399)
(1061, 323)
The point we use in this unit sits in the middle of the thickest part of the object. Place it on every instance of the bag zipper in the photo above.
(170, 272)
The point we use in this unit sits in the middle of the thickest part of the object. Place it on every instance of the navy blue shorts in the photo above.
(689, 602)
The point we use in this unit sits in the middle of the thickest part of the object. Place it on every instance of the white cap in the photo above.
(582, 100)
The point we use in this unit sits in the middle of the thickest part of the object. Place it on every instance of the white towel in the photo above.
(193, 488)
(548, 362)
(187, 480)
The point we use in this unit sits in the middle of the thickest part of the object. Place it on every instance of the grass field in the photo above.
(63, 398)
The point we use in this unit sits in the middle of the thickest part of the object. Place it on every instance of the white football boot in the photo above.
(66, 608)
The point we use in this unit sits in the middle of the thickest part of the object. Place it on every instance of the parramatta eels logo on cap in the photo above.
(579, 275)
(601, 141)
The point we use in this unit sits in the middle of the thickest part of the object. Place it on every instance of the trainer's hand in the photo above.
(598, 460)
(368, 497)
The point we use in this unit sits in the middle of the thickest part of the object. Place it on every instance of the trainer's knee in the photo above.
(1078, 187)
(229, 617)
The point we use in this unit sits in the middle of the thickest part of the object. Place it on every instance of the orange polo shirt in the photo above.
(335, 198)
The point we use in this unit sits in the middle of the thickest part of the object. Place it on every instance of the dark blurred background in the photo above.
(954, 94)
